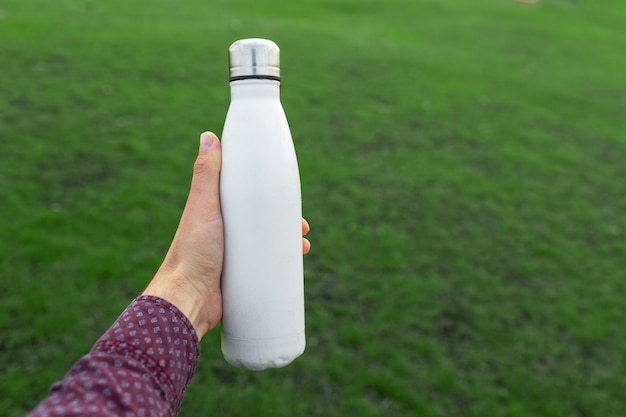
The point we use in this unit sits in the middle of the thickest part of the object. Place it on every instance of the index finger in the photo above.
(305, 227)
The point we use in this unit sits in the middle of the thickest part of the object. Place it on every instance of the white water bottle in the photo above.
(262, 281)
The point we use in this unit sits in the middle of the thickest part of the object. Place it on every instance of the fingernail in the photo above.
(206, 140)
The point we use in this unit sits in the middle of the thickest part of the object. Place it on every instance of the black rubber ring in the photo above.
(254, 77)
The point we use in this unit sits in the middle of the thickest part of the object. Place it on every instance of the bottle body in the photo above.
(262, 281)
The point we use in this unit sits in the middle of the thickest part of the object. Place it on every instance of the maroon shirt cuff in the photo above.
(157, 334)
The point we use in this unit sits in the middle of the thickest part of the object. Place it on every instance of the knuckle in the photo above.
(201, 165)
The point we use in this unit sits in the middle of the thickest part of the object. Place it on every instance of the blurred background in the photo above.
(462, 167)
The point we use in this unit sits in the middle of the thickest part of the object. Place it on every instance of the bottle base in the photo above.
(258, 355)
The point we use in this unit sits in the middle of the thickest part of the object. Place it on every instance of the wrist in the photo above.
(202, 309)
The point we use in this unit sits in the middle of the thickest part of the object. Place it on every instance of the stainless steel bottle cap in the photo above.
(254, 58)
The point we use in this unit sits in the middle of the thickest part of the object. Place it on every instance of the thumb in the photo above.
(204, 195)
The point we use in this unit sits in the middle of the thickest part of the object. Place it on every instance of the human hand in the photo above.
(190, 276)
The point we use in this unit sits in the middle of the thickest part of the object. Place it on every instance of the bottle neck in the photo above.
(255, 88)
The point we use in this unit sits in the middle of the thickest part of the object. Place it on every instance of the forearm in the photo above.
(143, 363)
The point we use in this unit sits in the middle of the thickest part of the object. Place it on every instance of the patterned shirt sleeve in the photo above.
(139, 368)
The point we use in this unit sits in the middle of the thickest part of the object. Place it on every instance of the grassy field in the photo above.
(462, 164)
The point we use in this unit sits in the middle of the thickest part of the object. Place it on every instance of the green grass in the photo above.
(462, 166)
